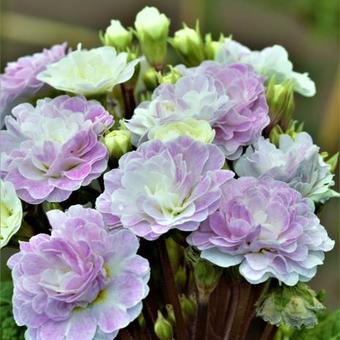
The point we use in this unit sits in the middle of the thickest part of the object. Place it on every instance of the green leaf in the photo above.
(328, 328)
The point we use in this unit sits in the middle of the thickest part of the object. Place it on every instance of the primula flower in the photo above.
(230, 97)
(297, 162)
(89, 72)
(20, 78)
(82, 282)
(267, 228)
(10, 212)
(52, 149)
(271, 61)
(163, 186)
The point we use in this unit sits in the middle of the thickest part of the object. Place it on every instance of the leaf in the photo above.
(328, 328)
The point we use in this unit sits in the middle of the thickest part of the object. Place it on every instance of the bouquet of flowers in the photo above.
(149, 200)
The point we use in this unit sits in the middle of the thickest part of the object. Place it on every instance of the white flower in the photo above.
(117, 36)
(10, 212)
(296, 162)
(89, 72)
(267, 62)
(199, 130)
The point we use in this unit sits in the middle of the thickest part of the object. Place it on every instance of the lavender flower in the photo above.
(163, 186)
(230, 97)
(52, 149)
(296, 162)
(267, 228)
(79, 283)
(271, 61)
(20, 78)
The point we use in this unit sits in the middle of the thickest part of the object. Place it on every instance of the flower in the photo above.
(230, 97)
(89, 72)
(152, 29)
(267, 62)
(79, 282)
(296, 307)
(10, 212)
(20, 78)
(116, 36)
(163, 186)
(267, 228)
(52, 149)
(199, 130)
(296, 162)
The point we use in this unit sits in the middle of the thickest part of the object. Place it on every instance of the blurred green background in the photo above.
(309, 29)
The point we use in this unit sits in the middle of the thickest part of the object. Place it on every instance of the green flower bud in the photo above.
(116, 36)
(196, 129)
(189, 45)
(181, 278)
(163, 328)
(47, 206)
(292, 130)
(280, 99)
(175, 252)
(118, 142)
(170, 314)
(171, 77)
(151, 79)
(141, 321)
(188, 307)
(211, 47)
(295, 306)
(152, 29)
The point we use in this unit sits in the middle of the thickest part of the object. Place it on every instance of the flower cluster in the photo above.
(80, 281)
(296, 162)
(271, 61)
(52, 149)
(267, 228)
(20, 78)
(162, 186)
(231, 98)
(204, 159)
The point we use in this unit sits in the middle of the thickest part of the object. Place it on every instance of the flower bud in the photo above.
(295, 306)
(151, 79)
(118, 142)
(189, 45)
(163, 328)
(175, 252)
(333, 162)
(188, 307)
(47, 206)
(180, 278)
(199, 130)
(211, 46)
(116, 36)
(280, 99)
(152, 29)
(141, 321)
(170, 314)
(292, 130)
(171, 77)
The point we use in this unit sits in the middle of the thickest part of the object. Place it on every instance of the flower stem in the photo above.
(129, 100)
(201, 321)
(171, 290)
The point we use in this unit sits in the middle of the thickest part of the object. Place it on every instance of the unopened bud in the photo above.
(189, 45)
(118, 142)
(188, 307)
(170, 314)
(116, 36)
(171, 77)
(151, 79)
(163, 328)
(152, 29)
(211, 46)
(180, 278)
